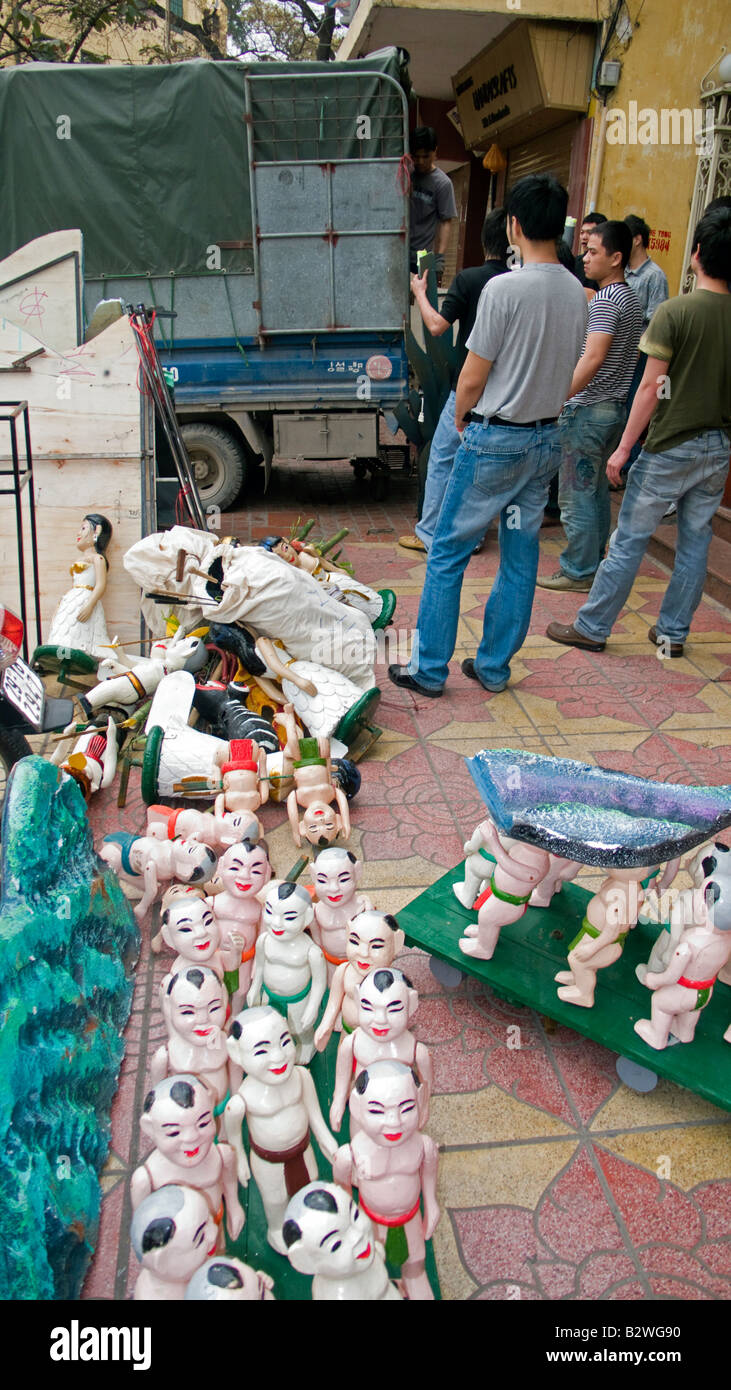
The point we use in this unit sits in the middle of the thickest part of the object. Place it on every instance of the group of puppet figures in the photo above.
(253, 963)
(504, 876)
(287, 627)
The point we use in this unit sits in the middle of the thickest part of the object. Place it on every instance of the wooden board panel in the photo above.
(86, 440)
(65, 491)
(40, 288)
(564, 58)
(532, 950)
(84, 401)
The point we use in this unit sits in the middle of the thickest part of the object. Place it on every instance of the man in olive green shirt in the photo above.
(685, 395)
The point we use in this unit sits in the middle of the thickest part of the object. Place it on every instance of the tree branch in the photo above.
(19, 45)
(196, 31)
(325, 31)
(309, 15)
(83, 36)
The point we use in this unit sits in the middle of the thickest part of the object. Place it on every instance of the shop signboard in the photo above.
(525, 82)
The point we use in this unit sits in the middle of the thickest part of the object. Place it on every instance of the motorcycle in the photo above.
(24, 706)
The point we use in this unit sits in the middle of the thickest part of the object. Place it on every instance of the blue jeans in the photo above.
(639, 372)
(445, 443)
(588, 435)
(693, 476)
(496, 471)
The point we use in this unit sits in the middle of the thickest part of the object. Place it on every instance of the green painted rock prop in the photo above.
(68, 943)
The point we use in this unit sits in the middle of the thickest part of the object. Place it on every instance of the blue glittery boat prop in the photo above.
(592, 814)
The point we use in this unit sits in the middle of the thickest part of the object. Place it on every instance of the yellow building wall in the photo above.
(670, 51)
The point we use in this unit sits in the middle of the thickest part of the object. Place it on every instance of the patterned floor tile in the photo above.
(548, 1177)
(669, 759)
(587, 1071)
(511, 1176)
(487, 1117)
(456, 1284)
(686, 1154)
(666, 1105)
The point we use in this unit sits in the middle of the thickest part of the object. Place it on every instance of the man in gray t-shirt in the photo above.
(521, 356)
(594, 415)
(518, 317)
(433, 207)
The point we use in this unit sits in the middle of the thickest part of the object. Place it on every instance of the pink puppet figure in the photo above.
(517, 871)
(560, 871)
(218, 830)
(684, 988)
(328, 1236)
(171, 895)
(244, 778)
(374, 939)
(190, 929)
(392, 1164)
(478, 866)
(224, 1279)
(336, 874)
(173, 1234)
(387, 1002)
(610, 915)
(178, 1119)
(307, 760)
(279, 1102)
(194, 1010)
(711, 861)
(289, 970)
(144, 864)
(244, 871)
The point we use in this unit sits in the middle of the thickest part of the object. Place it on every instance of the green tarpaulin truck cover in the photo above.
(152, 162)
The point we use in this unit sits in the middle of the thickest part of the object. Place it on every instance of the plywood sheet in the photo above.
(85, 424)
(41, 291)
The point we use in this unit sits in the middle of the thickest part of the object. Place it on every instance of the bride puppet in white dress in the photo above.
(79, 621)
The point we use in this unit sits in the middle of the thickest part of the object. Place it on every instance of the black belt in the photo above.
(475, 419)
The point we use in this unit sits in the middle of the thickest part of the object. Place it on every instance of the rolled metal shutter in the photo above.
(545, 154)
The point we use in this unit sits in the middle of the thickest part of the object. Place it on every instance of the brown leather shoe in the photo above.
(671, 648)
(412, 543)
(560, 632)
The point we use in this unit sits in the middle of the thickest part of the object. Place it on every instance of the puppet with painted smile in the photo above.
(178, 1118)
(195, 1012)
(327, 1235)
(387, 1004)
(290, 970)
(392, 1164)
(279, 1103)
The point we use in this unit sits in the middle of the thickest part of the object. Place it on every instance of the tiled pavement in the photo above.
(556, 1181)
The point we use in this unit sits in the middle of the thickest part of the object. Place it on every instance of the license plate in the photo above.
(24, 689)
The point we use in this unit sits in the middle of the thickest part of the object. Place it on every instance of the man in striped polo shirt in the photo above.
(592, 420)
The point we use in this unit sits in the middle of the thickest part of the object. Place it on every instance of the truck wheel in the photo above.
(219, 463)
